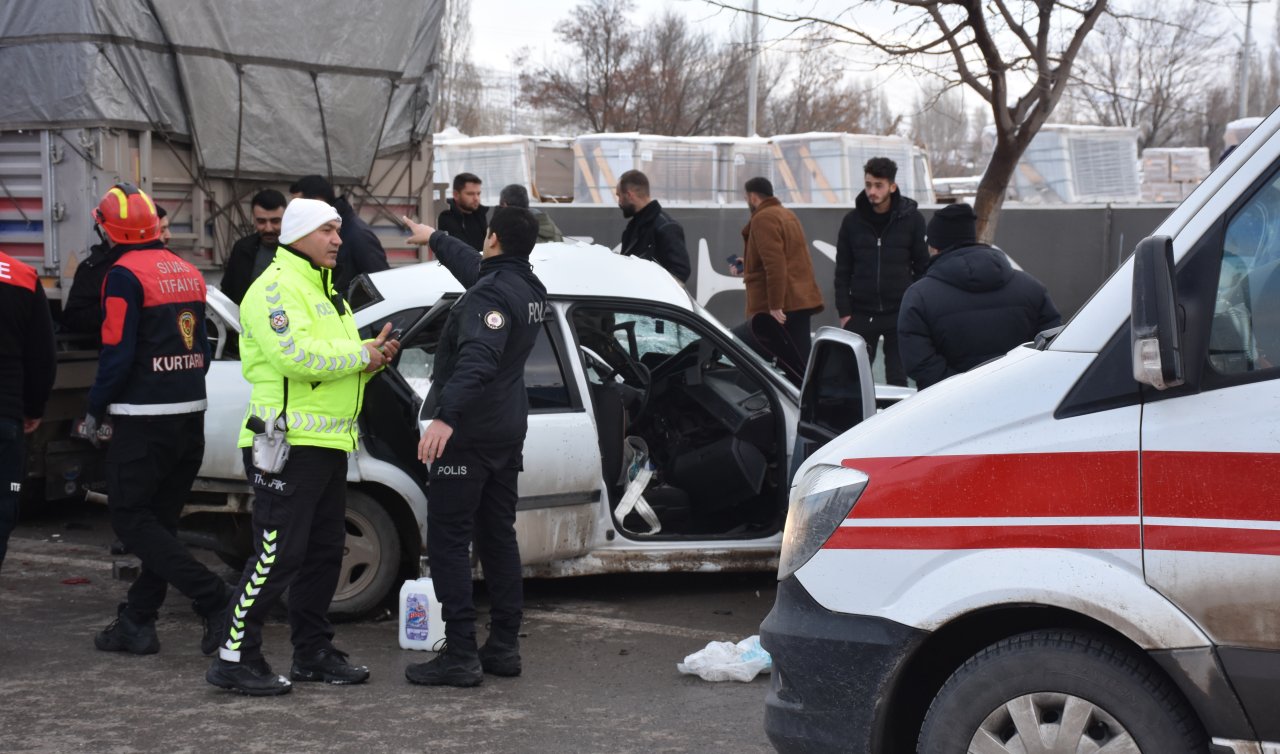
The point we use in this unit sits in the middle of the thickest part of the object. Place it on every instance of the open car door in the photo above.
(838, 391)
(560, 484)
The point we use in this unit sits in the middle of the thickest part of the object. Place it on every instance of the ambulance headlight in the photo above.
(820, 501)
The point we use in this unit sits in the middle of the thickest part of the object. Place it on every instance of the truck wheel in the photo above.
(1059, 692)
(371, 559)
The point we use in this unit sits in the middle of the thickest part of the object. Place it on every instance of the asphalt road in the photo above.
(599, 669)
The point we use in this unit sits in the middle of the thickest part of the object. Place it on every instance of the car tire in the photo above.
(1050, 691)
(370, 558)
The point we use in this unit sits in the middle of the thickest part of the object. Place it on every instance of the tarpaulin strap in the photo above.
(324, 131)
(391, 95)
(235, 178)
(639, 473)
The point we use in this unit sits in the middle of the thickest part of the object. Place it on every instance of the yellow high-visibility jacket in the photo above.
(295, 328)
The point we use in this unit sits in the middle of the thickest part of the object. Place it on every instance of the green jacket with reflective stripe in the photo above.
(295, 328)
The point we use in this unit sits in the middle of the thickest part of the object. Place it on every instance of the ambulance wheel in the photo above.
(1059, 692)
(370, 559)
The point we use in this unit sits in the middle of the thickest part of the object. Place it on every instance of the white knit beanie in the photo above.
(302, 216)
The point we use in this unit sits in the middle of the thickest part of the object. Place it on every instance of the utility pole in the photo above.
(1243, 97)
(753, 68)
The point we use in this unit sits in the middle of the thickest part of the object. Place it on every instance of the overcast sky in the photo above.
(500, 27)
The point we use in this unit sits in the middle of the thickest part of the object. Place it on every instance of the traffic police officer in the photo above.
(479, 413)
(27, 370)
(301, 352)
(150, 380)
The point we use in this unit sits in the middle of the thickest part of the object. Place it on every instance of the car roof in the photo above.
(568, 270)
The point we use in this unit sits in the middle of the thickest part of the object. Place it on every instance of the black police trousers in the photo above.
(299, 531)
(472, 493)
(151, 463)
(11, 450)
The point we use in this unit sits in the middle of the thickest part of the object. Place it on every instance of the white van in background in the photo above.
(1073, 548)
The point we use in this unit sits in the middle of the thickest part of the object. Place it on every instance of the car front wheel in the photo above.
(370, 558)
(1059, 692)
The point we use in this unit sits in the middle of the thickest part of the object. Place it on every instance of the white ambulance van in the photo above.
(1073, 548)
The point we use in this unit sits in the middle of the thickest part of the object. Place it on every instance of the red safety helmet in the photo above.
(127, 215)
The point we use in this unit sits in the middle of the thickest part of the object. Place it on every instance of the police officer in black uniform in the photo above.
(479, 413)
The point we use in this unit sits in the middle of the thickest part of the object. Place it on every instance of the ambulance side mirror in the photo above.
(1156, 332)
(838, 391)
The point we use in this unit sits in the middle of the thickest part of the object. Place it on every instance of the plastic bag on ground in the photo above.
(726, 661)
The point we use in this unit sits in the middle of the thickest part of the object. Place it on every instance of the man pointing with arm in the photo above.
(474, 444)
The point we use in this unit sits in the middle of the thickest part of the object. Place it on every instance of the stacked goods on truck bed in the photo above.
(1068, 164)
(542, 164)
(1169, 174)
(681, 169)
(827, 168)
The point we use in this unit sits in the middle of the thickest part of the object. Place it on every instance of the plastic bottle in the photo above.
(421, 626)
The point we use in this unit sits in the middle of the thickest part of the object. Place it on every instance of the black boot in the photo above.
(328, 665)
(454, 666)
(250, 677)
(126, 635)
(500, 654)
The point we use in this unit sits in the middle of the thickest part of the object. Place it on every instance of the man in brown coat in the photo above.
(776, 266)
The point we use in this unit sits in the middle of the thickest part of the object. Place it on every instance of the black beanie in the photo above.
(951, 226)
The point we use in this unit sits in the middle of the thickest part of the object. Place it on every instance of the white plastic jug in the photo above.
(421, 626)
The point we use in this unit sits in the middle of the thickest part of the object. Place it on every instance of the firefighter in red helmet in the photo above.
(150, 382)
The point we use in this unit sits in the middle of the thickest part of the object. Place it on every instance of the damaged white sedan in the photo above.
(657, 440)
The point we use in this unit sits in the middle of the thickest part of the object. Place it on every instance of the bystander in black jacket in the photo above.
(468, 227)
(971, 306)
(361, 251)
(245, 263)
(478, 386)
(27, 363)
(652, 234)
(82, 311)
(874, 267)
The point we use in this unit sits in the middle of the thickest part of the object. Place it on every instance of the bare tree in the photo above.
(941, 125)
(997, 48)
(1145, 69)
(456, 105)
(1264, 78)
(592, 89)
(686, 83)
(664, 77)
(821, 98)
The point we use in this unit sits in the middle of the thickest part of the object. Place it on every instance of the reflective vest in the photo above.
(154, 349)
(296, 329)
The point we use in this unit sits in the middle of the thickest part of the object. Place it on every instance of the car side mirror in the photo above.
(1156, 333)
(838, 392)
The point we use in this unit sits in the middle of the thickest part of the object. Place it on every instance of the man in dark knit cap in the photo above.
(971, 306)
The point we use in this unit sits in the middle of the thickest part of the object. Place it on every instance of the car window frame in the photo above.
(1210, 377)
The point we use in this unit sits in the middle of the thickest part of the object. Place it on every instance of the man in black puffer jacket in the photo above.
(971, 306)
(880, 251)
